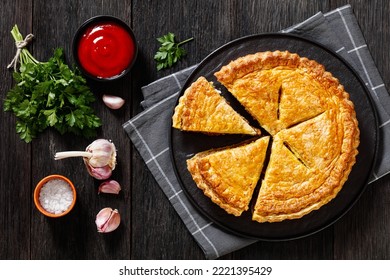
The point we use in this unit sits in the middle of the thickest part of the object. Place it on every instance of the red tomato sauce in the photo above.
(105, 50)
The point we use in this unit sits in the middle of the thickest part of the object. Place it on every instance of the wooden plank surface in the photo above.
(150, 228)
(15, 156)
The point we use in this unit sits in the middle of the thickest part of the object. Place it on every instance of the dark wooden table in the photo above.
(150, 227)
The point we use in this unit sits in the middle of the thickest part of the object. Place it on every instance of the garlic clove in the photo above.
(113, 102)
(107, 220)
(102, 217)
(103, 153)
(114, 222)
(110, 186)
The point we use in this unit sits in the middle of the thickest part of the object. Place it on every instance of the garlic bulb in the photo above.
(113, 102)
(110, 186)
(99, 158)
(107, 220)
(103, 159)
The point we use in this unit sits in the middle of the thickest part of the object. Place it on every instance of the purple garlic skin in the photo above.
(107, 220)
(110, 186)
(100, 173)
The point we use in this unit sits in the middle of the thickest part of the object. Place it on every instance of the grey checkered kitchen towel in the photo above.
(149, 130)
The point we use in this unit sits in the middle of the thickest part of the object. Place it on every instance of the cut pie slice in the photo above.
(259, 92)
(317, 142)
(286, 175)
(229, 175)
(203, 109)
(290, 189)
(301, 98)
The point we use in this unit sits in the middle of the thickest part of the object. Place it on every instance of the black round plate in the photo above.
(185, 144)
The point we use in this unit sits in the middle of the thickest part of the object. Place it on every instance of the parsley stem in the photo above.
(25, 55)
(185, 41)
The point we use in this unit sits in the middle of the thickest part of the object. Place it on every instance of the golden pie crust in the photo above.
(203, 109)
(315, 137)
(278, 89)
(229, 175)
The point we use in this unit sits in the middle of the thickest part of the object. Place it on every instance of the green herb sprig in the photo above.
(169, 52)
(50, 94)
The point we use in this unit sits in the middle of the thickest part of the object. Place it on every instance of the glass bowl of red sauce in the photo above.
(104, 48)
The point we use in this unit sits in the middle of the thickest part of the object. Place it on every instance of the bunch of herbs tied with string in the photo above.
(49, 94)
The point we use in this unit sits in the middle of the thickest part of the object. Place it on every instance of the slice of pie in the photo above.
(203, 109)
(317, 142)
(289, 189)
(229, 175)
(300, 98)
(292, 189)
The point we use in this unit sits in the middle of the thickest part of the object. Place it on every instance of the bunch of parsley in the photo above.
(50, 94)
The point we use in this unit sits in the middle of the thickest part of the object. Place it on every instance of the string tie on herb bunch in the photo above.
(19, 46)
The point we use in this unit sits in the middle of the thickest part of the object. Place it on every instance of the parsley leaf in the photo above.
(50, 94)
(169, 52)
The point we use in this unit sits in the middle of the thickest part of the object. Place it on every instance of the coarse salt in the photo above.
(56, 196)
